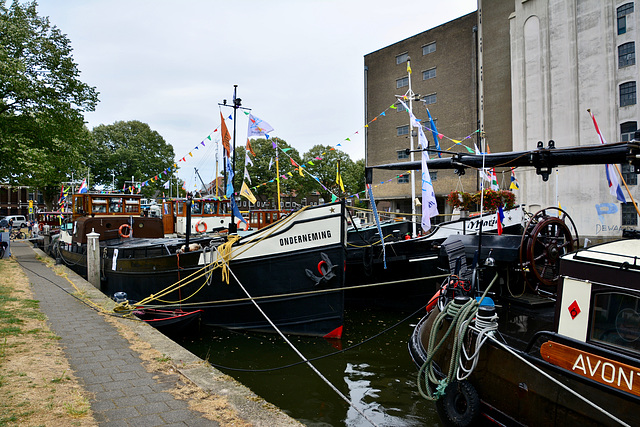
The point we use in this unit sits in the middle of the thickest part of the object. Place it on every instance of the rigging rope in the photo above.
(334, 388)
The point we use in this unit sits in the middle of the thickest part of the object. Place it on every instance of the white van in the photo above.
(19, 221)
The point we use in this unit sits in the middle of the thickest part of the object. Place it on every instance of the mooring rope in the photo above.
(313, 368)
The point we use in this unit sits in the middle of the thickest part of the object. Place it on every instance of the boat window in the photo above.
(132, 206)
(99, 205)
(210, 208)
(615, 320)
(180, 206)
(115, 205)
(223, 208)
(77, 207)
(196, 208)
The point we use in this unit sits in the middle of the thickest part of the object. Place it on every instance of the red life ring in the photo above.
(201, 222)
(246, 224)
(121, 232)
(40, 227)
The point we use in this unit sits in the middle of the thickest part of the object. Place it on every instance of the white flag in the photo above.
(258, 127)
(429, 205)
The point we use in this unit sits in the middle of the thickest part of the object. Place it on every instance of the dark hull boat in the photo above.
(573, 359)
(168, 321)
(294, 268)
(411, 264)
(541, 332)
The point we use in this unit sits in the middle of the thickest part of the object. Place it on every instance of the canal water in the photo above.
(370, 365)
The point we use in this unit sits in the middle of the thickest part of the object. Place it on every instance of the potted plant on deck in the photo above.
(492, 200)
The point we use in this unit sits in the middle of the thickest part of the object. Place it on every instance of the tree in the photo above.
(126, 150)
(325, 160)
(41, 100)
(261, 173)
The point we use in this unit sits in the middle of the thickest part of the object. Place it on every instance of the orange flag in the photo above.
(249, 149)
(226, 137)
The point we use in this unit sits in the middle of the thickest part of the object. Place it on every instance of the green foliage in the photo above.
(41, 100)
(260, 172)
(128, 149)
(324, 170)
(325, 160)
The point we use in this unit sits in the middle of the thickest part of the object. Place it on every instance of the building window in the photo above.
(628, 94)
(626, 54)
(623, 11)
(429, 74)
(403, 57)
(430, 99)
(431, 47)
(628, 130)
(433, 175)
(402, 82)
(400, 107)
(628, 174)
(402, 154)
(402, 130)
(403, 179)
(629, 214)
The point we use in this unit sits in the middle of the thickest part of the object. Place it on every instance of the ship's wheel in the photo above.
(546, 238)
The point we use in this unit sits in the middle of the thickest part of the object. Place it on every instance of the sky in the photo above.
(298, 65)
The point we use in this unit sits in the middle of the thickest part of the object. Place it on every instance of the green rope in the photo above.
(461, 315)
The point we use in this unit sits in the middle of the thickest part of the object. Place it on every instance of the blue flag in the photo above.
(230, 174)
(434, 132)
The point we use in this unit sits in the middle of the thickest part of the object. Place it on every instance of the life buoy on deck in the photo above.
(40, 226)
(246, 224)
(121, 231)
(201, 222)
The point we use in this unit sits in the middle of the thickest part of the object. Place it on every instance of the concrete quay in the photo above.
(124, 392)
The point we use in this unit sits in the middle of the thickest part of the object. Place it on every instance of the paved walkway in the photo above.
(124, 393)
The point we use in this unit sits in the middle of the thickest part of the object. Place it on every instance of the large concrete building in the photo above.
(519, 72)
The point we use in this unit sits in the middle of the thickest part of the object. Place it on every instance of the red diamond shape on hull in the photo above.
(574, 309)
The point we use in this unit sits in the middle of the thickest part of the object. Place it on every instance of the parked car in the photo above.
(18, 220)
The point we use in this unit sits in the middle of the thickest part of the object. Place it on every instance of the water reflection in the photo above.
(378, 376)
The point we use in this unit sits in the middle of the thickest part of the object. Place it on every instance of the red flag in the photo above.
(500, 215)
(226, 137)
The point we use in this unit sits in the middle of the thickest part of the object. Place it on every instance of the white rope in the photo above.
(345, 398)
(483, 327)
(576, 394)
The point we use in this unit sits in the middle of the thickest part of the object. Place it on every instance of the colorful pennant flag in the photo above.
(246, 192)
(226, 137)
(258, 127)
(612, 178)
(339, 177)
(500, 219)
(514, 181)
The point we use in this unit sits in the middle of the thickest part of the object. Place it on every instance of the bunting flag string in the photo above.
(261, 127)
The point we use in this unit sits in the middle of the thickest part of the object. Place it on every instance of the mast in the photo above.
(412, 174)
(203, 184)
(275, 142)
(236, 104)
